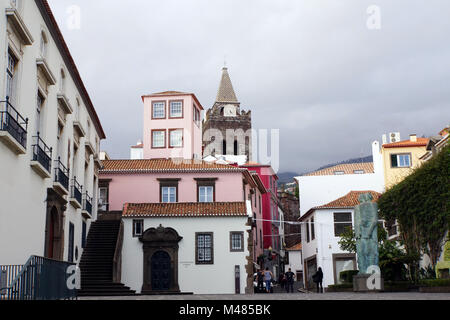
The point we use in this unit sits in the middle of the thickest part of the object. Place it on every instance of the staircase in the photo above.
(97, 262)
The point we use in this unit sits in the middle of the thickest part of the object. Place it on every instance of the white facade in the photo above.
(318, 190)
(216, 278)
(325, 245)
(295, 261)
(40, 70)
(136, 153)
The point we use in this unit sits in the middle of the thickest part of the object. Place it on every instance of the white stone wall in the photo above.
(199, 279)
(22, 191)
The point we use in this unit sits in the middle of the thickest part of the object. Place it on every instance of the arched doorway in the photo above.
(161, 271)
(160, 246)
(52, 228)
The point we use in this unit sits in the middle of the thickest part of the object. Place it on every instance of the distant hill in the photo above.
(286, 177)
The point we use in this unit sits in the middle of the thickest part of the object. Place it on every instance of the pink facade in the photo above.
(145, 187)
(165, 113)
(269, 206)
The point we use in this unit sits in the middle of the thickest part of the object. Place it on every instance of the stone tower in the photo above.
(227, 128)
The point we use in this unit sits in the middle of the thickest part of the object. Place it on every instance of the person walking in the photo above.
(260, 279)
(290, 277)
(268, 276)
(318, 278)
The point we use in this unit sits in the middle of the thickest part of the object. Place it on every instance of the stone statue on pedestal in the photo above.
(366, 232)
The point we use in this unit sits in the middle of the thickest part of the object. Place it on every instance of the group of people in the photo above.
(286, 280)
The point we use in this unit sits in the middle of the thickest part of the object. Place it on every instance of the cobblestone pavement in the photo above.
(292, 296)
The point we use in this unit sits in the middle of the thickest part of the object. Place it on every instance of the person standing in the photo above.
(268, 276)
(318, 278)
(290, 277)
(260, 279)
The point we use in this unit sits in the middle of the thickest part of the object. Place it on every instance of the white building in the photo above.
(321, 230)
(49, 140)
(137, 151)
(168, 239)
(294, 260)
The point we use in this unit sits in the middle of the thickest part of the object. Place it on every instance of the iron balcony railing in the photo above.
(39, 279)
(76, 192)
(12, 122)
(7, 276)
(87, 203)
(61, 174)
(42, 153)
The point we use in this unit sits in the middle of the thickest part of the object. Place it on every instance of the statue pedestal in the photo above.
(361, 281)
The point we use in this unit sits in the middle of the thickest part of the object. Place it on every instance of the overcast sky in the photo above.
(310, 68)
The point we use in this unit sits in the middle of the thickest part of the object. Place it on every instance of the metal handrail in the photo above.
(42, 153)
(61, 173)
(77, 190)
(87, 203)
(14, 123)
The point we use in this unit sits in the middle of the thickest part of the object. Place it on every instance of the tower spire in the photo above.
(226, 92)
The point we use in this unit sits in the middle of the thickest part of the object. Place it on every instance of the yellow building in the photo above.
(401, 158)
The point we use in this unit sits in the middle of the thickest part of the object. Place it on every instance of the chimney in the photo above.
(413, 137)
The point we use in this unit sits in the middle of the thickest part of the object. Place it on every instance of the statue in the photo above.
(366, 232)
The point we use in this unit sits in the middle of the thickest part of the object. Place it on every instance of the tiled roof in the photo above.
(421, 142)
(295, 247)
(174, 93)
(164, 165)
(138, 146)
(348, 168)
(226, 92)
(213, 209)
(350, 200)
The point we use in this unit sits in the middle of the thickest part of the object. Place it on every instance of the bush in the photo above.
(435, 283)
(347, 276)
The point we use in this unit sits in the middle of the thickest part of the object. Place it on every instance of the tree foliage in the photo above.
(421, 206)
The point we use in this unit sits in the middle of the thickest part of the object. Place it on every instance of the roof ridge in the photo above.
(226, 91)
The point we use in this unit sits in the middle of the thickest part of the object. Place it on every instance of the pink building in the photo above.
(172, 126)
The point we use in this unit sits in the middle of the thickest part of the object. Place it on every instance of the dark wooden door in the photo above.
(160, 274)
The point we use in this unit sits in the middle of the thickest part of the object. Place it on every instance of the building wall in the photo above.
(295, 262)
(136, 153)
(199, 279)
(393, 176)
(192, 142)
(325, 243)
(22, 191)
(145, 188)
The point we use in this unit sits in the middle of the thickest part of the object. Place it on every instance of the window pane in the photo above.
(176, 109)
(176, 138)
(394, 162)
(342, 217)
(158, 140)
(159, 110)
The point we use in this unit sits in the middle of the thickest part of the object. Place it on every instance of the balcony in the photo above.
(45, 69)
(42, 158)
(61, 183)
(76, 198)
(64, 103)
(79, 128)
(87, 206)
(13, 128)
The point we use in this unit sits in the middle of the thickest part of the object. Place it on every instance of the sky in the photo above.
(331, 76)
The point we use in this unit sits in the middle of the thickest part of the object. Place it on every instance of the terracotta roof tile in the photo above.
(350, 200)
(295, 247)
(165, 165)
(421, 142)
(213, 209)
(348, 168)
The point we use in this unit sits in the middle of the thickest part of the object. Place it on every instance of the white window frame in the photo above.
(160, 114)
(180, 142)
(171, 192)
(179, 114)
(155, 139)
(205, 194)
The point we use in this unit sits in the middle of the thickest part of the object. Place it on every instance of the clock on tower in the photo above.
(229, 110)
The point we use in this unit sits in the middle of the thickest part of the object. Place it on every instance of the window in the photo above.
(168, 190)
(313, 231)
(196, 116)
(83, 235)
(358, 172)
(204, 248)
(103, 199)
(176, 109)
(62, 83)
(342, 221)
(176, 138)
(138, 228)
(158, 139)
(236, 241)
(205, 194)
(338, 173)
(43, 45)
(39, 105)
(71, 242)
(159, 110)
(10, 76)
(59, 140)
(261, 239)
(400, 160)
(307, 231)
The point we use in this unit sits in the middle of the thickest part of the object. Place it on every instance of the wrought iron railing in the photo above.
(87, 203)
(42, 153)
(7, 276)
(39, 279)
(12, 122)
(76, 192)
(61, 174)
